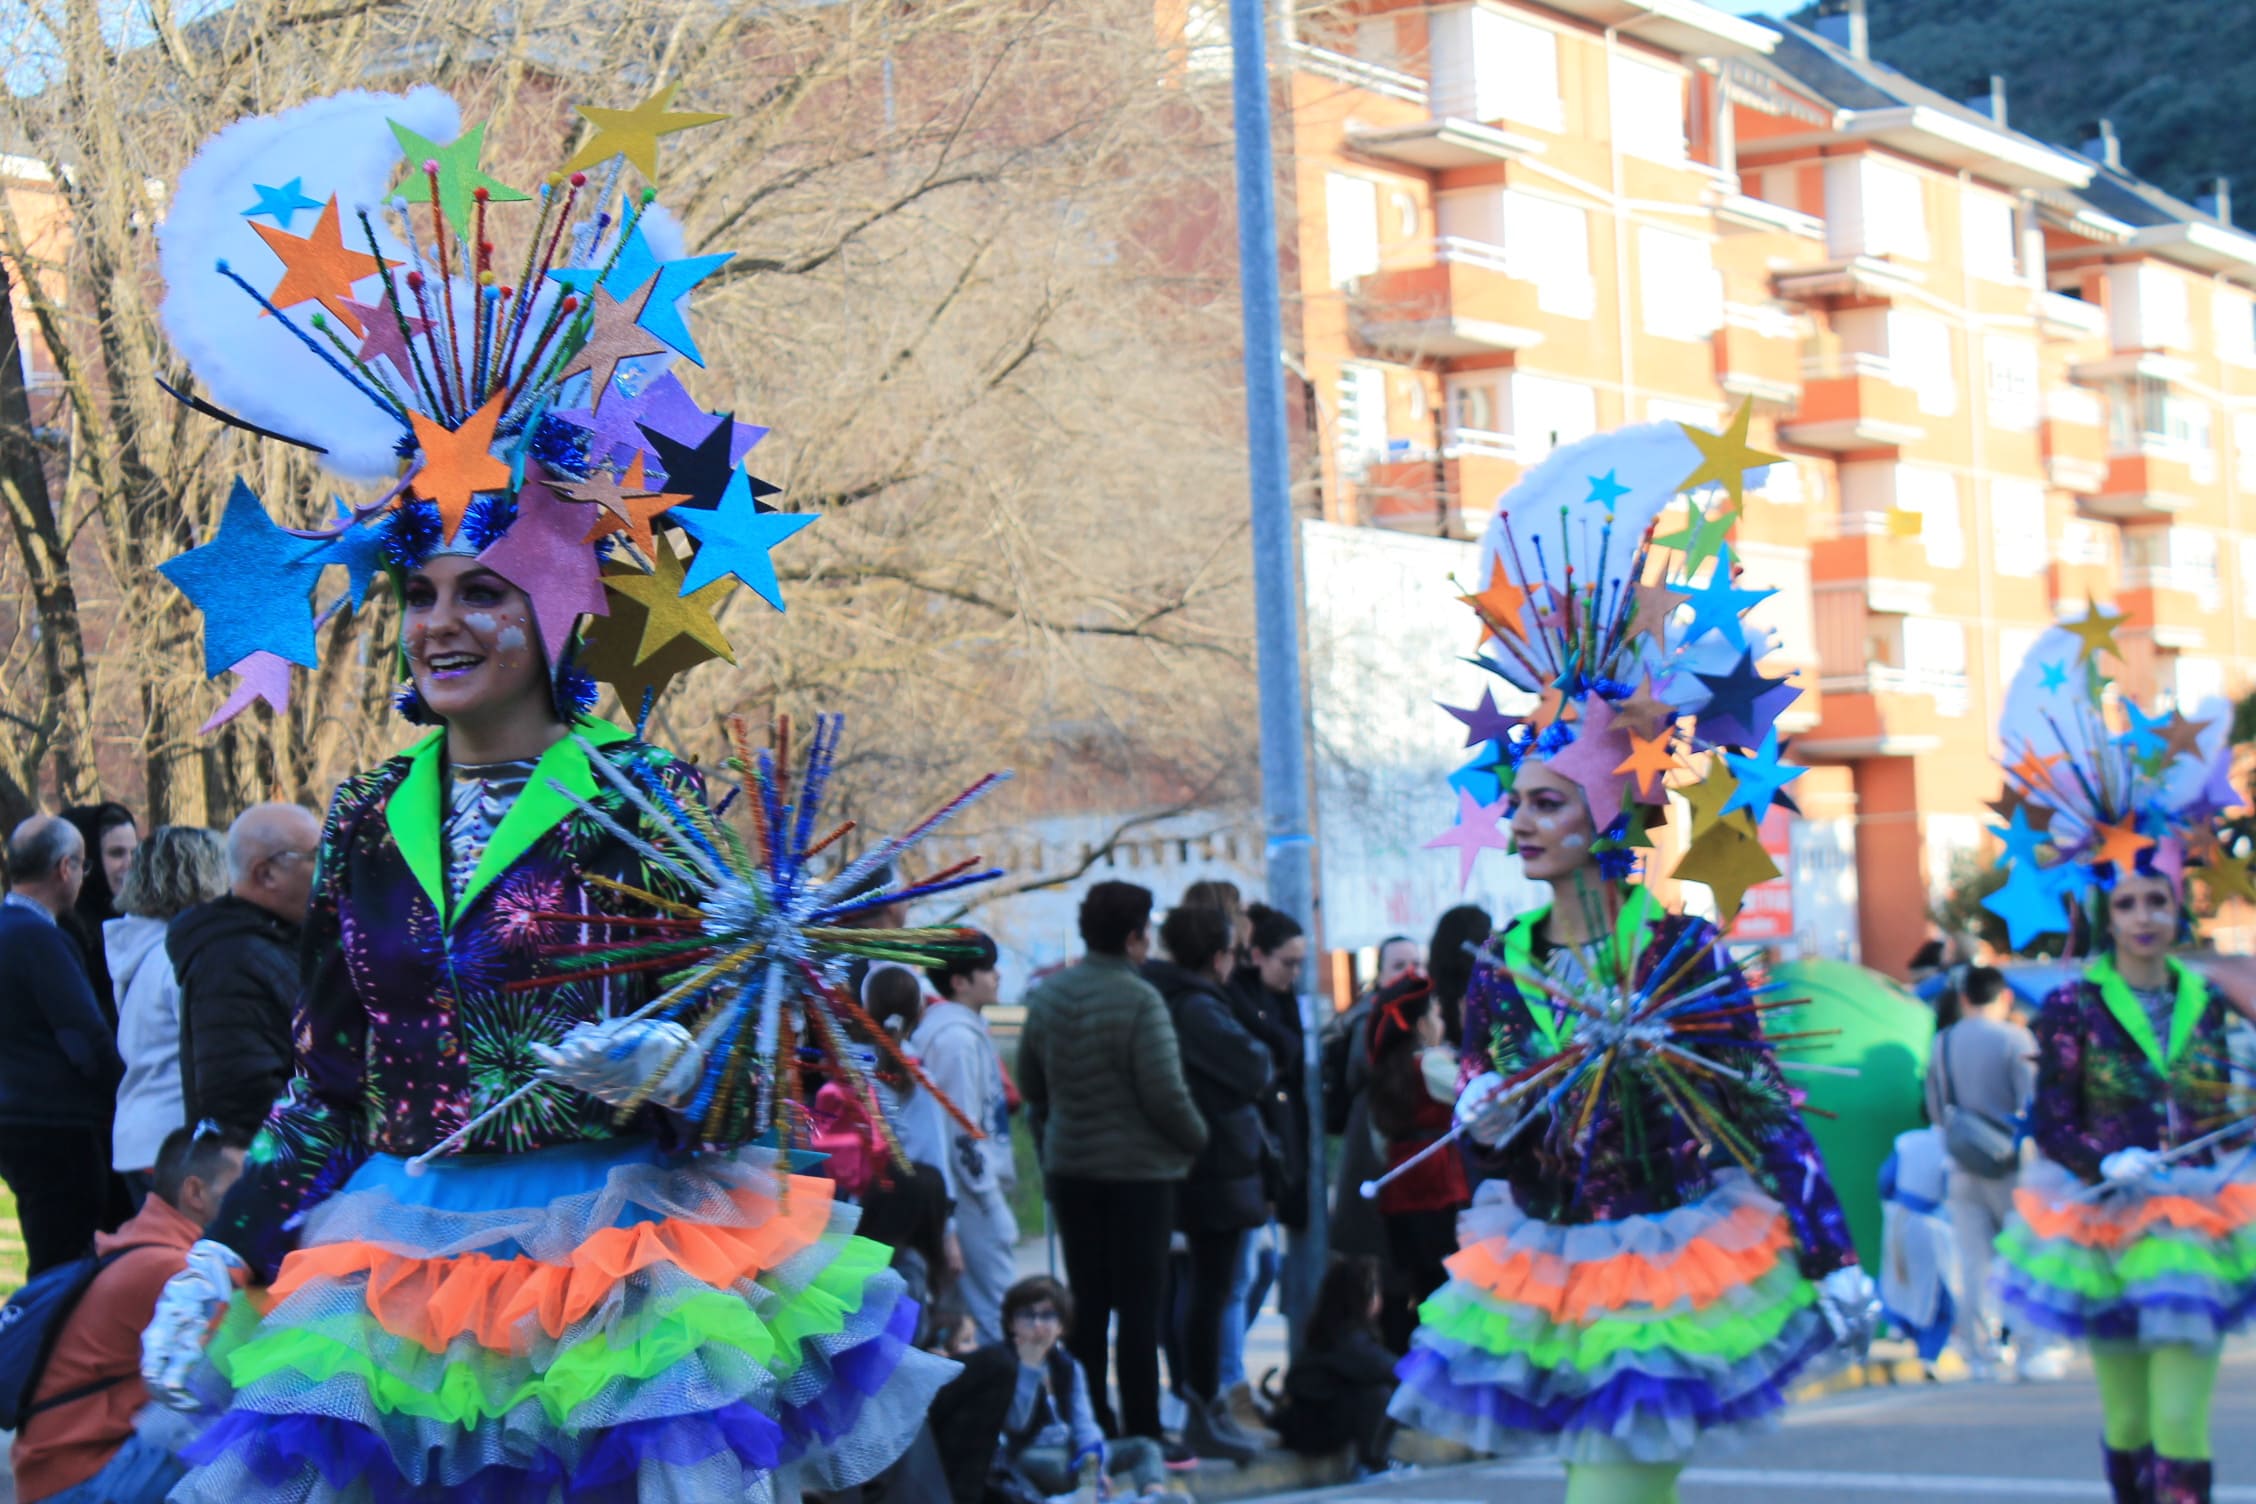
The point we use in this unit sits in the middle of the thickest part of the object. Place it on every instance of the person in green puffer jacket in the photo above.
(1102, 1076)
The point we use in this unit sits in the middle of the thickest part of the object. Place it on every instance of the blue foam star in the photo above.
(358, 550)
(1742, 704)
(2144, 735)
(1761, 776)
(2021, 839)
(2054, 675)
(1605, 490)
(2031, 905)
(1478, 779)
(734, 538)
(1718, 607)
(636, 265)
(253, 582)
(281, 204)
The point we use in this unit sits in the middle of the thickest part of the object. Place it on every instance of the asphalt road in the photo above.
(2036, 1443)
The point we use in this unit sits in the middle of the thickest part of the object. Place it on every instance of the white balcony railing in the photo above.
(1559, 290)
(2080, 543)
(1480, 443)
(2072, 313)
(1827, 365)
(2075, 404)
(2188, 579)
(1765, 319)
(1946, 686)
(1376, 77)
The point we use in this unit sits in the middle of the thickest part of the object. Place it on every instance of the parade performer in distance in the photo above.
(526, 1226)
(1653, 1254)
(2135, 1228)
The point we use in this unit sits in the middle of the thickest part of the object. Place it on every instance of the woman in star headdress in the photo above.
(511, 1235)
(2134, 1229)
(1653, 1253)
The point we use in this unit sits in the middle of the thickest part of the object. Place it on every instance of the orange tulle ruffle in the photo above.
(434, 1300)
(1702, 1272)
(2096, 1224)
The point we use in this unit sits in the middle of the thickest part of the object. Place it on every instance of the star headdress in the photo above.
(2095, 786)
(1610, 593)
(486, 355)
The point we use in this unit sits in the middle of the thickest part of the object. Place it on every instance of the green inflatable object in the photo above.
(1884, 1035)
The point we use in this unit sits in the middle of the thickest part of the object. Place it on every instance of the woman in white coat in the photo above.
(178, 867)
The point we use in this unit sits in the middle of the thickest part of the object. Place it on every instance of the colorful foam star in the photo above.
(544, 555)
(1645, 713)
(609, 643)
(1721, 607)
(2035, 772)
(320, 268)
(2121, 843)
(1650, 761)
(458, 463)
(1605, 491)
(1479, 828)
(261, 676)
(1762, 777)
(253, 582)
(1742, 704)
(359, 551)
(1708, 797)
(670, 282)
(1701, 535)
(1594, 761)
(1479, 779)
(1498, 606)
(2143, 736)
(626, 505)
(671, 615)
(1655, 605)
(1729, 860)
(459, 176)
(2030, 905)
(2097, 630)
(613, 336)
(2022, 840)
(735, 537)
(2227, 877)
(634, 133)
(1725, 458)
(1483, 722)
(281, 204)
(660, 403)
(2183, 736)
(700, 471)
(382, 335)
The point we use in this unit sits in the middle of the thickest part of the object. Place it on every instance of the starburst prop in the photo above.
(754, 964)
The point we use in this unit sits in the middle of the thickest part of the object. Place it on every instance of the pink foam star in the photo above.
(261, 676)
(1598, 749)
(383, 335)
(543, 555)
(1479, 828)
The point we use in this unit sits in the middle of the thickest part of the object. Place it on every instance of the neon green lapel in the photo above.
(414, 817)
(1630, 933)
(2185, 1012)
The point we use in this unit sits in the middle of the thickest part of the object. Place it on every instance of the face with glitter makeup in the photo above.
(1551, 826)
(2142, 918)
(471, 644)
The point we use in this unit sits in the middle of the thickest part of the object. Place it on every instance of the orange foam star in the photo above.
(1498, 606)
(2035, 771)
(320, 268)
(458, 463)
(1649, 761)
(2121, 845)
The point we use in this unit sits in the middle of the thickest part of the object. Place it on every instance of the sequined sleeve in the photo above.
(2058, 1120)
(1497, 1038)
(317, 1134)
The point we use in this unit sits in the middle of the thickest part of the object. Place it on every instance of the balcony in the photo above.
(1865, 278)
(1885, 569)
(1758, 354)
(1852, 401)
(1881, 711)
(2173, 602)
(1376, 78)
(2064, 317)
(1460, 490)
(2082, 564)
(2072, 436)
(1438, 144)
(2156, 480)
(1468, 300)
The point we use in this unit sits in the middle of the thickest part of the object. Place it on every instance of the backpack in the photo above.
(29, 1324)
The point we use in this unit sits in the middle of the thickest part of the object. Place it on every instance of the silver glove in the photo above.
(614, 1060)
(173, 1342)
(1482, 1110)
(1850, 1304)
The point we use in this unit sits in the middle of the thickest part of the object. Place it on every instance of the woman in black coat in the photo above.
(1227, 1070)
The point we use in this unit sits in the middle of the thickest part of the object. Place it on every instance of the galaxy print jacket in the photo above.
(1647, 1158)
(407, 1025)
(2105, 1081)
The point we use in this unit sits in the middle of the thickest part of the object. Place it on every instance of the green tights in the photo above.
(2155, 1396)
(1623, 1483)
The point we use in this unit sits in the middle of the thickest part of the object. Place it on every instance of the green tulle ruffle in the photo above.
(1729, 1331)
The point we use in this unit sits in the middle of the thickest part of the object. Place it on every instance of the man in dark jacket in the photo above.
(237, 960)
(1227, 1193)
(59, 1064)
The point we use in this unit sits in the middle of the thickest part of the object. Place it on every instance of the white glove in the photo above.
(1481, 1110)
(173, 1342)
(612, 1060)
(2128, 1167)
(1850, 1304)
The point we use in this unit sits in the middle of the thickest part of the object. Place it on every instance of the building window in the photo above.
(1547, 413)
(2235, 318)
(2248, 576)
(1648, 110)
(2196, 681)
(1351, 220)
(1889, 215)
(2172, 558)
(1919, 352)
(1362, 422)
(1933, 645)
(2163, 322)
(1474, 407)
(1933, 494)
(1986, 226)
(2012, 369)
(1491, 67)
(2017, 527)
(2244, 447)
(1678, 285)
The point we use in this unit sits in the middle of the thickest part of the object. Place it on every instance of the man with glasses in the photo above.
(237, 960)
(59, 1065)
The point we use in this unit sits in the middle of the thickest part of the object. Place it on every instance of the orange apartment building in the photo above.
(2005, 375)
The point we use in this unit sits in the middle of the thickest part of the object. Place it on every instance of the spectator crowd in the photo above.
(1164, 1078)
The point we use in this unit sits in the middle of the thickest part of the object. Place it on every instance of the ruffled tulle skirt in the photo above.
(2172, 1264)
(598, 1322)
(1633, 1340)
